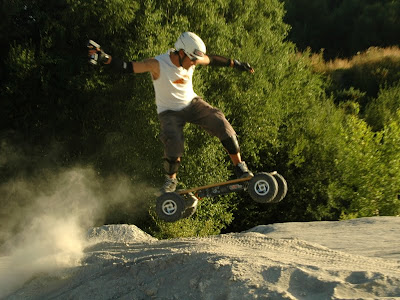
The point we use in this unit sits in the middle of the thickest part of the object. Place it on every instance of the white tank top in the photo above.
(173, 88)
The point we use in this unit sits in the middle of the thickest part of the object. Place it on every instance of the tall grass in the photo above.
(371, 56)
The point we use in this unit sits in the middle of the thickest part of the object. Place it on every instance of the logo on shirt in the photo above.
(181, 80)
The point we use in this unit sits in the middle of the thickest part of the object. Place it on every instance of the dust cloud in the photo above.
(44, 220)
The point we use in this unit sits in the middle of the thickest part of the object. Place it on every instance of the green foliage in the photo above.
(67, 112)
(367, 171)
(384, 109)
(109, 121)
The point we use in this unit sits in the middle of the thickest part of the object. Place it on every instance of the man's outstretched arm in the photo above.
(98, 56)
(221, 61)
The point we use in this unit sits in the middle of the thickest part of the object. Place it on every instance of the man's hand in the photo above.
(96, 54)
(242, 66)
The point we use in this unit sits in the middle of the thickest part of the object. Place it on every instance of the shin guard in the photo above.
(231, 145)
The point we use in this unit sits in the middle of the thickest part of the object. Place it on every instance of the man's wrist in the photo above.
(104, 58)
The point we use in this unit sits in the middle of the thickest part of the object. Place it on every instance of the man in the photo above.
(178, 104)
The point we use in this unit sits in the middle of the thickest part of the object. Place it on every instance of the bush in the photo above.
(366, 173)
(384, 109)
(283, 116)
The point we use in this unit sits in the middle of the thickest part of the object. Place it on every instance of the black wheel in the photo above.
(263, 188)
(191, 202)
(170, 207)
(282, 188)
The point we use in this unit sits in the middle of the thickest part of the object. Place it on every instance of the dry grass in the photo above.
(370, 56)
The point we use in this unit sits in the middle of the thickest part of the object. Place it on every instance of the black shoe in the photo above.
(169, 185)
(242, 171)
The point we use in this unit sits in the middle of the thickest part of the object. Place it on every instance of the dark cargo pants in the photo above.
(199, 113)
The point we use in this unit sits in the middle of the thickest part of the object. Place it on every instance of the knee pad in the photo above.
(231, 145)
(171, 165)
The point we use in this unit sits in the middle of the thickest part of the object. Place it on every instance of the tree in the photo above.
(342, 28)
(65, 112)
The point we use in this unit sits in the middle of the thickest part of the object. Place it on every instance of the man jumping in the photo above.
(178, 104)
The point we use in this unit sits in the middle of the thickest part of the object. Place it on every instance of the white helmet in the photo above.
(191, 44)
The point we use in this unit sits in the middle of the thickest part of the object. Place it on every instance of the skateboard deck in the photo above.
(263, 188)
(216, 189)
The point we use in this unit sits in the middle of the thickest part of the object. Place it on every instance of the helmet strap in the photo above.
(179, 57)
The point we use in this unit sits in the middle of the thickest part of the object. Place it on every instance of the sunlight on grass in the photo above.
(372, 55)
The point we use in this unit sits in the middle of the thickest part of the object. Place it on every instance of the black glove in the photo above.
(242, 66)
